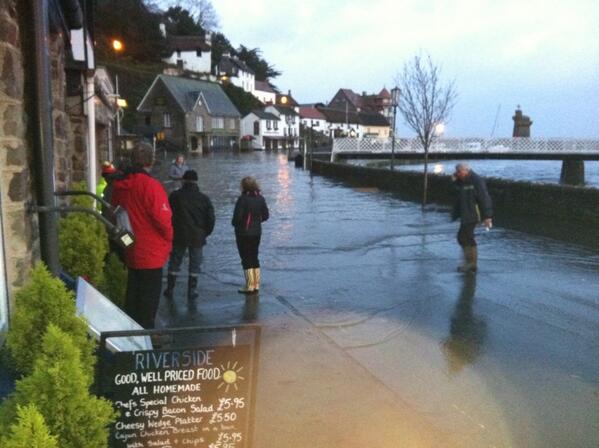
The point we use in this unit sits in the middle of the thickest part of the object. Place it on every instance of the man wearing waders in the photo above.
(473, 205)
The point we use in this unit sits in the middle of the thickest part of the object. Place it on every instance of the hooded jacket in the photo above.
(249, 214)
(147, 204)
(193, 216)
(473, 203)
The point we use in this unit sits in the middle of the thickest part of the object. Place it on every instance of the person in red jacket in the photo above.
(146, 202)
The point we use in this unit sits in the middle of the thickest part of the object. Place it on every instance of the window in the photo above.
(148, 120)
(218, 123)
(199, 52)
(256, 127)
(199, 123)
(232, 123)
(276, 122)
(179, 54)
(166, 120)
(268, 125)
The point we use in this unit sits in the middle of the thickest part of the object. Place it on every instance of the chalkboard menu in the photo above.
(199, 397)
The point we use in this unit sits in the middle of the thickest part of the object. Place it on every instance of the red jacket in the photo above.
(150, 214)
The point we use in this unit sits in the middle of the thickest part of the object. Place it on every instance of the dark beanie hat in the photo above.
(190, 176)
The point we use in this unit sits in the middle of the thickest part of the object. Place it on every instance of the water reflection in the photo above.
(467, 331)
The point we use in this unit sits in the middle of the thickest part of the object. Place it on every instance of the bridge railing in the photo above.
(462, 145)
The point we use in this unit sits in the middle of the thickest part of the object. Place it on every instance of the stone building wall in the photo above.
(20, 228)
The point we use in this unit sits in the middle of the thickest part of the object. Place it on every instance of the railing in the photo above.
(464, 145)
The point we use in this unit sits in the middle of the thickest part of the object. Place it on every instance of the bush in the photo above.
(115, 280)
(83, 242)
(29, 431)
(59, 388)
(42, 301)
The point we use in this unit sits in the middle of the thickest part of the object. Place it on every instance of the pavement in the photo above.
(310, 393)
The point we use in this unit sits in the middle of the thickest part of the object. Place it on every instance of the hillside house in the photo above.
(234, 70)
(191, 114)
(265, 92)
(191, 53)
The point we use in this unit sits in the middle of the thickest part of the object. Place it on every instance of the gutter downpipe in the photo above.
(43, 144)
(90, 102)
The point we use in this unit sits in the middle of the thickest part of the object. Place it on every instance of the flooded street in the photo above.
(506, 358)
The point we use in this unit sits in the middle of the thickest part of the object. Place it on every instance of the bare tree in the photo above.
(425, 103)
(201, 10)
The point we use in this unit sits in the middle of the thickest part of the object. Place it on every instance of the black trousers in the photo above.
(248, 247)
(143, 295)
(466, 234)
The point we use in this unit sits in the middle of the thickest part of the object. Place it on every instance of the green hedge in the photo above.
(83, 242)
(29, 431)
(59, 387)
(42, 301)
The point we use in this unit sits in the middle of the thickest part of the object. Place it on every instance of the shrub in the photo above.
(59, 388)
(44, 300)
(115, 280)
(29, 431)
(83, 242)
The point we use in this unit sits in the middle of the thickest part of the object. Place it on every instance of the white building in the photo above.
(312, 118)
(236, 72)
(264, 92)
(264, 129)
(191, 53)
(291, 124)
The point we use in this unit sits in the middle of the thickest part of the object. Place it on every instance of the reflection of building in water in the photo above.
(284, 202)
(467, 332)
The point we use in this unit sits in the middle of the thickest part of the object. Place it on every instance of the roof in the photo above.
(186, 92)
(353, 97)
(312, 113)
(363, 118)
(290, 101)
(373, 102)
(284, 110)
(263, 115)
(264, 86)
(230, 65)
(187, 43)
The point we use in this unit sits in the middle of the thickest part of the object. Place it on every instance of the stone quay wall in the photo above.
(557, 211)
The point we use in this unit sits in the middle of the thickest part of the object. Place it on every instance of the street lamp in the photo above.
(395, 93)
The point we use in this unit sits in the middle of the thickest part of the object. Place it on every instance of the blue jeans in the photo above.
(176, 258)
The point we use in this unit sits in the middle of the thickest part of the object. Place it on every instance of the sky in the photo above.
(540, 54)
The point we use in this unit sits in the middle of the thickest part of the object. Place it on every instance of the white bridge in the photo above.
(468, 148)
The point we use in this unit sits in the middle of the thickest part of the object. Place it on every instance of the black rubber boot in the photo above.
(170, 286)
(192, 285)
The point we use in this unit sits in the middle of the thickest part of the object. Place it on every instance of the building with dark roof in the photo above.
(348, 123)
(354, 102)
(265, 92)
(234, 70)
(192, 115)
(191, 53)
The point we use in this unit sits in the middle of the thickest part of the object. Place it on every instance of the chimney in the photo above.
(289, 92)
(163, 29)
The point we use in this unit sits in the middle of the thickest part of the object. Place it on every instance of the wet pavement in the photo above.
(371, 337)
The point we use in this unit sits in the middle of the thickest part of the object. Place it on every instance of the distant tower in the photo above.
(522, 124)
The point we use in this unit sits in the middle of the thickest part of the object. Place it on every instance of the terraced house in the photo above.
(190, 115)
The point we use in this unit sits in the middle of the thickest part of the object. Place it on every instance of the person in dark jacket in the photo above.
(193, 221)
(473, 205)
(249, 214)
(146, 203)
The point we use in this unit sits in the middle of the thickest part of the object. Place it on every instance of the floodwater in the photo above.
(545, 171)
(506, 358)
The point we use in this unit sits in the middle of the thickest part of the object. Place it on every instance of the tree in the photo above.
(59, 387)
(244, 101)
(425, 103)
(30, 430)
(220, 46)
(252, 57)
(201, 10)
(180, 22)
(134, 23)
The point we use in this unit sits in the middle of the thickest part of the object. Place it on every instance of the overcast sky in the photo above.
(541, 54)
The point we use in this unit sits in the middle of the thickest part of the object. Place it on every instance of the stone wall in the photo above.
(20, 228)
(558, 211)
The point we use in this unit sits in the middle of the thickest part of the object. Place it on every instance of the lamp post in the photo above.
(395, 93)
